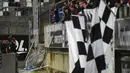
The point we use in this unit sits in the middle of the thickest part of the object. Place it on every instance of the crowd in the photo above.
(8, 46)
(64, 13)
(76, 7)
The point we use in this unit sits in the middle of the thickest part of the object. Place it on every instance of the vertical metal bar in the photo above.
(35, 22)
(49, 16)
(29, 29)
(63, 35)
(114, 42)
(9, 28)
(39, 20)
(6, 21)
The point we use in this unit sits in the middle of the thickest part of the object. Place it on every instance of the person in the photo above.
(56, 16)
(66, 13)
(85, 4)
(13, 46)
(65, 5)
(60, 13)
(73, 9)
(52, 16)
(80, 6)
(4, 48)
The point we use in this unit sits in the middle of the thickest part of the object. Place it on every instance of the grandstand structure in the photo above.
(15, 14)
(16, 19)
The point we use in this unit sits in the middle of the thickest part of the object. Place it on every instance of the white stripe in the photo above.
(73, 52)
(112, 18)
(101, 8)
(91, 67)
(97, 47)
(82, 22)
(82, 59)
(72, 40)
(102, 26)
(95, 18)
(78, 35)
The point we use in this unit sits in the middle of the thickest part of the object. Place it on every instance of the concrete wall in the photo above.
(58, 61)
(14, 28)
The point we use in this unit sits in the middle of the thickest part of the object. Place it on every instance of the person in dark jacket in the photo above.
(80, 7)
(66, 14)
(13, 45)
(56, 15)
(4, 46)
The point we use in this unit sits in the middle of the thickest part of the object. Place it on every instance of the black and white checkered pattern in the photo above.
(88, 56)
(101, 35)
(107, 22)
(77, 42)
(95, 58)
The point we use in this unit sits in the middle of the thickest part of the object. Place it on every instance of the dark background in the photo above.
(118, 55)
(19, 38)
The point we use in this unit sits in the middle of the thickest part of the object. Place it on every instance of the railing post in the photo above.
(35, 23)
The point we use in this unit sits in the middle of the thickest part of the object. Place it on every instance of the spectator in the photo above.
(13, 45)
(85, 4)
(80, 6)
(4, 47)
(65, 5)
(66, 13)
(60, 13)
(52, 15)
(73, 9)
(56, 15)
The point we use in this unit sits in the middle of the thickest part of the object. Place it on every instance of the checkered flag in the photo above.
(77, 44)
(89, 56)
(101, 35)
(95, 58)
(108, 18)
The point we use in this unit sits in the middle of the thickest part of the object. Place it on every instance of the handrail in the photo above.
(29, 51)
(47, 50)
